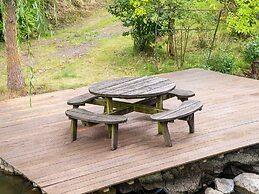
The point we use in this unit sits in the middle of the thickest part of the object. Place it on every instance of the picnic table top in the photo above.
(133, 87)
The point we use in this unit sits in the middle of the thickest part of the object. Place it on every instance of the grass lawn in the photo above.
(93, 49)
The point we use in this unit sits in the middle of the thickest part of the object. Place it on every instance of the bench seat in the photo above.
(76, 114)
(81, 100)
(182, 95)
(184, 112)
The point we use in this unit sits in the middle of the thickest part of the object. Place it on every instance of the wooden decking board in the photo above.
(137, 158)
(111, 174)
(228, 121)
(76, 153)
(79, 158)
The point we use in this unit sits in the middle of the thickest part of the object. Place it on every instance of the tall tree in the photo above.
(15, 79)
(22, 18)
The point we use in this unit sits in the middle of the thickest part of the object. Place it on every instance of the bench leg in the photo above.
(105, 109)
(109, 109)
(74, 129)
(183, 99)
(190, 122)
(159, 105)
(166, 134)
(114, 136)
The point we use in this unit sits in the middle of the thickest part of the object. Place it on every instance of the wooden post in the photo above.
(190, 122)
(254, 70)
(159, 105)
(105, 109)
(166, 134)
(109, 109)
(114, 136)
(74, 129)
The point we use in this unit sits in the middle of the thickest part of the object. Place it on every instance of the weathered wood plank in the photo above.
(182, 94)
(185, 109)
(139, 87)
(41, 135)
(84, 115)
(82, 99)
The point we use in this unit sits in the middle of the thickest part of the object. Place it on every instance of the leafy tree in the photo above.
(141, 16)
(243, 20)
(15, 79)
(31, 17)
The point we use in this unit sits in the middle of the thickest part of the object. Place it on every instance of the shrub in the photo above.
(142, 17)
(252, 51)
(222, 62)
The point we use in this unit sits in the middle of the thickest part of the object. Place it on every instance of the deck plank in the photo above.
(228, 121)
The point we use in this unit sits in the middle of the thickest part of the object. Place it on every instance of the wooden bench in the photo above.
(184, 112)
(81, 100)
(87, 116)
(182, 95)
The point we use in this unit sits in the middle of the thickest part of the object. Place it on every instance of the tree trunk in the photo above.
(15, 79)
(171, 49)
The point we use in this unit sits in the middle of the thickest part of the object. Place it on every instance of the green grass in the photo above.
(109, 58)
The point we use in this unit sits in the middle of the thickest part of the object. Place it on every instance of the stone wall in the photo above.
(235, 172)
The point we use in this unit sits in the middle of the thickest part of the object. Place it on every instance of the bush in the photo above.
(222, 62)
(252, 51)
(141, 17)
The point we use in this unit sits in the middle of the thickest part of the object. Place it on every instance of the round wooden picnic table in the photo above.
(133, 87)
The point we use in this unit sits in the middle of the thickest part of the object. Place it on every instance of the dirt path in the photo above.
(76, 41)
(109, 31)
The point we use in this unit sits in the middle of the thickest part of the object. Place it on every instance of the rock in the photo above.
(212, 191)
(185, 179)
(152, 181)
(184, 184)
(249, 157)
(215, 165)
(224, 185)
(231, 171)
(247, 183)
(125, 188)
(110, 191)
(207, 179)
(255, 169)
(168, 176)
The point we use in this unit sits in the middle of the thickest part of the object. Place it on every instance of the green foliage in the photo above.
(222, 61)
(31, 18)
(1, 23)
(142, 17)
(31, 86)
(252, 51)
(242, 15)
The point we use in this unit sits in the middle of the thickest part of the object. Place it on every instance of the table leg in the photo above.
(109, 109)
(159, 105)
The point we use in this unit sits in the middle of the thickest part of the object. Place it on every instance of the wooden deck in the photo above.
(37, 141)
